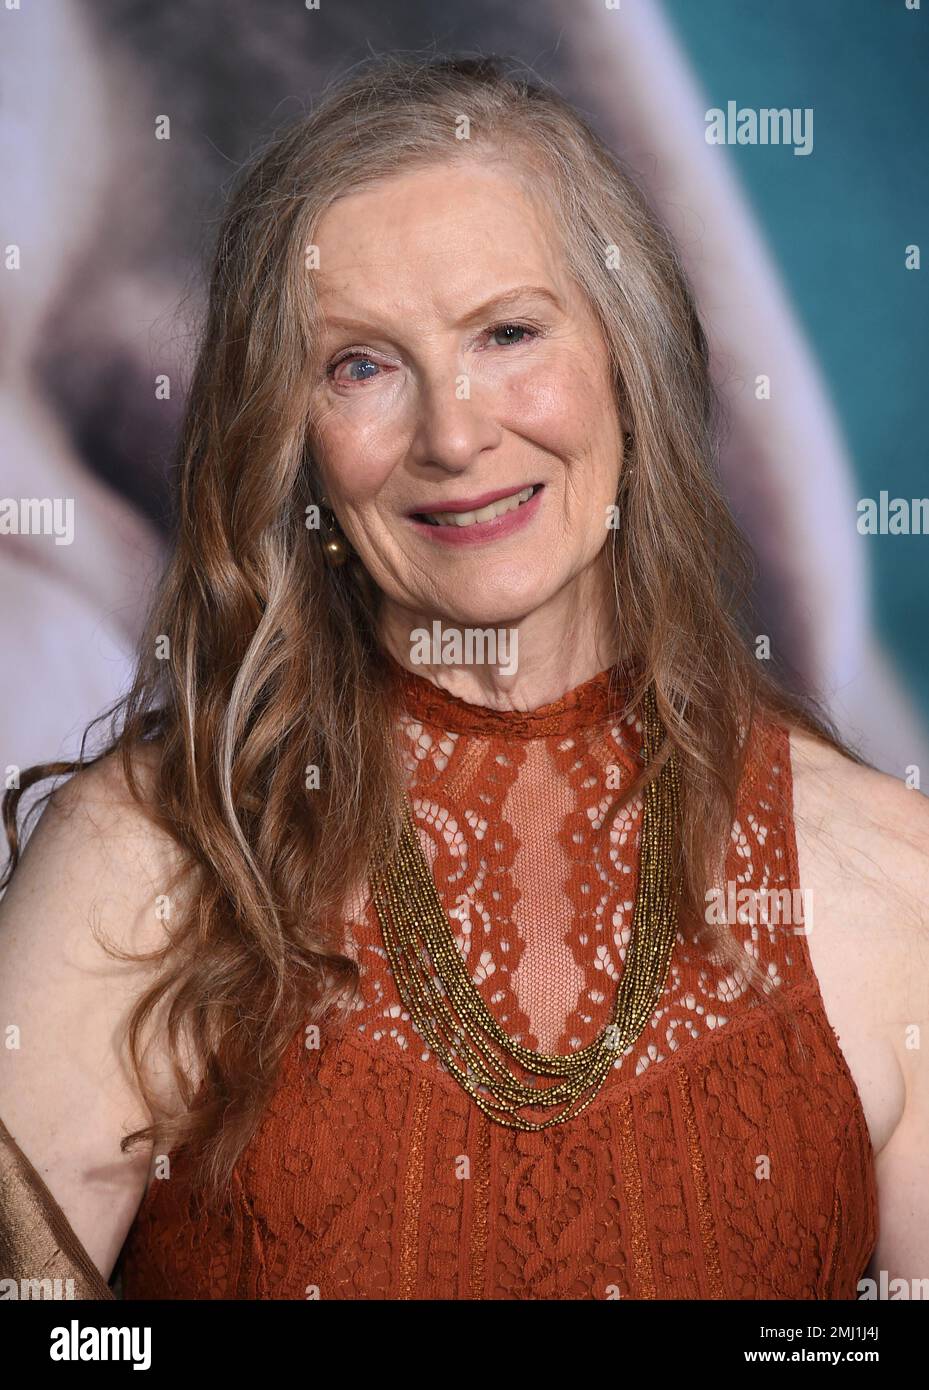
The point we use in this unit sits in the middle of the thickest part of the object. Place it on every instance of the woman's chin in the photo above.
(483, 610)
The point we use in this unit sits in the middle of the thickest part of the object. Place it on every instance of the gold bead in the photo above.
(336, 550)
(412, 917)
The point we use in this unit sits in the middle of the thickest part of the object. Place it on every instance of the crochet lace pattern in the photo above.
(725, 1156)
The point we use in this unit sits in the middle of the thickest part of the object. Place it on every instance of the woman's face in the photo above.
(464, 421)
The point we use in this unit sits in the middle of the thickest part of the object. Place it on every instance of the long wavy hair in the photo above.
(260, 661)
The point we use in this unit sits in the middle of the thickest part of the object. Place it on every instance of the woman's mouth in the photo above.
(488, 513)
(495, 519)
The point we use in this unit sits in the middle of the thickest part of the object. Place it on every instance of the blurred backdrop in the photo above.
(804, 255)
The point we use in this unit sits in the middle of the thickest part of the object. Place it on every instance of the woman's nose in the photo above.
(455, 419)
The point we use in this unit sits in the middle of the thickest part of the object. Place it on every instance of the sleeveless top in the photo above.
(726, 1154)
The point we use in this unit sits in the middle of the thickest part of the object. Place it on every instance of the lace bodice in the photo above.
(726, 1154)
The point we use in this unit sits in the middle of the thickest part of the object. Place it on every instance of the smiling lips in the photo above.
(486, 517)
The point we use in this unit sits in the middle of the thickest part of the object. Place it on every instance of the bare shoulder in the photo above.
(98, 808)
(94, 874)
(876, 824)
(863, 851)
(97, 854)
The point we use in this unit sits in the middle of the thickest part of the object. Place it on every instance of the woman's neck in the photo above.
(520, 664)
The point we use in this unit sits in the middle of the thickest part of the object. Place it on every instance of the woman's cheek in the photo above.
(555, 406)
(556, 392)
(359, 457)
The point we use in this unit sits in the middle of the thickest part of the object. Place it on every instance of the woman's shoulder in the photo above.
(862, 841)
(863, 851)
(877, 821)
(99, 843)
(98, 871)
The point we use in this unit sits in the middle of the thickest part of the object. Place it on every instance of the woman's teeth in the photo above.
(499, 508)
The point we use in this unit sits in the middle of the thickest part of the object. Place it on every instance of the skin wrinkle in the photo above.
(536, 414)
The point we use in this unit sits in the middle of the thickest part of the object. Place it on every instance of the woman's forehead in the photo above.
(435, 212)
(390, 246)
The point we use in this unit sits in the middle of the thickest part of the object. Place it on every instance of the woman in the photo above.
(425, 826)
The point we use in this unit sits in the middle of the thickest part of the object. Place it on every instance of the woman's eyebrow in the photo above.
(508, 297)
(496, 302)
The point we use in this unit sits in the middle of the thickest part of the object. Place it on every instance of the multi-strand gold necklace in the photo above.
(448, 1009)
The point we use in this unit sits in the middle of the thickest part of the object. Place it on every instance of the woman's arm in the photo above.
(863, 850)
(903, 1241)
(66, 1095)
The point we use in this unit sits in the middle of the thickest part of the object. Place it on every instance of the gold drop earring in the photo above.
(336, 548)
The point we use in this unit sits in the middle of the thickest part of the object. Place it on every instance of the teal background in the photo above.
(837, 221)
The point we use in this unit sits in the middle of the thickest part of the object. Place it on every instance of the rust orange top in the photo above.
(725, 1156)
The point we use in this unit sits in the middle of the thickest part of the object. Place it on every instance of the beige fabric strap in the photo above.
(37, 1242)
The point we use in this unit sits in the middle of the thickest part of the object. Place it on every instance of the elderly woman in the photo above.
(436, 923)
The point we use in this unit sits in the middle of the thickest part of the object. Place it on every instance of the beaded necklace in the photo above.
(449, 1011)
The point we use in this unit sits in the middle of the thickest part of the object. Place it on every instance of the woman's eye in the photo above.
(511, 328)
(358, 359)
